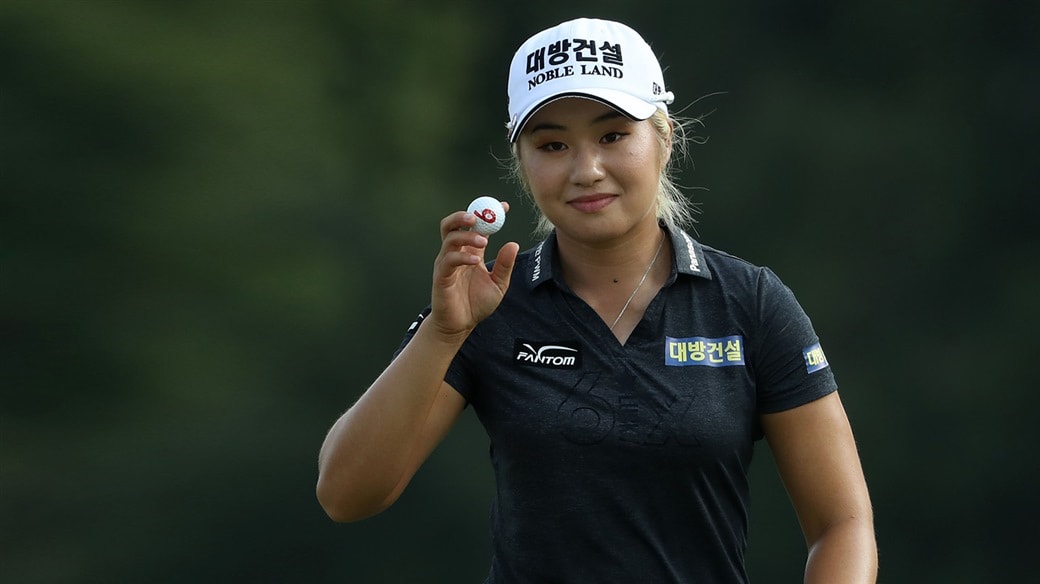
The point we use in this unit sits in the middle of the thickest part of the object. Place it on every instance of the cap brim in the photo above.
(633, 107)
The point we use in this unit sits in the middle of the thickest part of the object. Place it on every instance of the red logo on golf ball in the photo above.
(487, 215)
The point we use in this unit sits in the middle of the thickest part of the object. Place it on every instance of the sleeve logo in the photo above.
(815, 360)
(704, 352)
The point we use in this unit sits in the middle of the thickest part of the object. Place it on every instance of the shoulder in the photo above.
(740, 281)
(727, 261)
(694, 258)
(732, 270)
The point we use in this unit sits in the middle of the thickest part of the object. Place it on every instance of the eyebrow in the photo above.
(610, 115)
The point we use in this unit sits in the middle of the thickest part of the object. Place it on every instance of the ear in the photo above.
(666, 146)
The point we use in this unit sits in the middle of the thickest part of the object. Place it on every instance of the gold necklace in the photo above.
(639, 285)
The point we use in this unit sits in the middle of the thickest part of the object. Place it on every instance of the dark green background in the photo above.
(218, 218)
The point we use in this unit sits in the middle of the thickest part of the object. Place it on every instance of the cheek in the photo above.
(645, 162)
(540, 177)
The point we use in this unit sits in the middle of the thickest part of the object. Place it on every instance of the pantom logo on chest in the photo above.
(554, 354)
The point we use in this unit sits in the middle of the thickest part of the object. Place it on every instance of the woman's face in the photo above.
(592, 171)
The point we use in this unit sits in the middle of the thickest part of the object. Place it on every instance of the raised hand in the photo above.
(464, 291)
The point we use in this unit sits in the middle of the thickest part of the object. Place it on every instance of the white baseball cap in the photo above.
(596, 59)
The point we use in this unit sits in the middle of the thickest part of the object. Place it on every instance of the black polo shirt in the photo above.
(628, 463)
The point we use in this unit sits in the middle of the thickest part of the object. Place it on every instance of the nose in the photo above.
(586, 166)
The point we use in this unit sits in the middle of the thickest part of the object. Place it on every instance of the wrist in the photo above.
(435, 331)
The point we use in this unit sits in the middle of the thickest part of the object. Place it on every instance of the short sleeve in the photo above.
(790, 366)
(457, 375)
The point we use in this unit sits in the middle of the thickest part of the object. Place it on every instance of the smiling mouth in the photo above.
(592, 203)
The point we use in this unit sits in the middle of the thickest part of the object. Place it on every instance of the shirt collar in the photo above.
(542, 259)
(688, 258)
(689, 254)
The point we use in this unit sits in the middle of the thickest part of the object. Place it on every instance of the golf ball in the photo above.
(491, 216)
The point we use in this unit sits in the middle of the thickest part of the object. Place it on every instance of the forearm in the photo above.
(372, 448)
(846, 553)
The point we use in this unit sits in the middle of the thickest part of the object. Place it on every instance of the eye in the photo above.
(613, 137)
(552, 146)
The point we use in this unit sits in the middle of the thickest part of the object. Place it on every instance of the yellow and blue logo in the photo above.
(815, 360)
(704, 351)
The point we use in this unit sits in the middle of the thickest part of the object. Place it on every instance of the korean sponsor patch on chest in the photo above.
(704, 351)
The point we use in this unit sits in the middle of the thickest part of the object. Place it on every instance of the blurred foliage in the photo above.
(218, 218)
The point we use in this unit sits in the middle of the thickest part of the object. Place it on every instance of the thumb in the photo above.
(504, 263)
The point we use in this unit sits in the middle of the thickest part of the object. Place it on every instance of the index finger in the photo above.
(456, 221)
